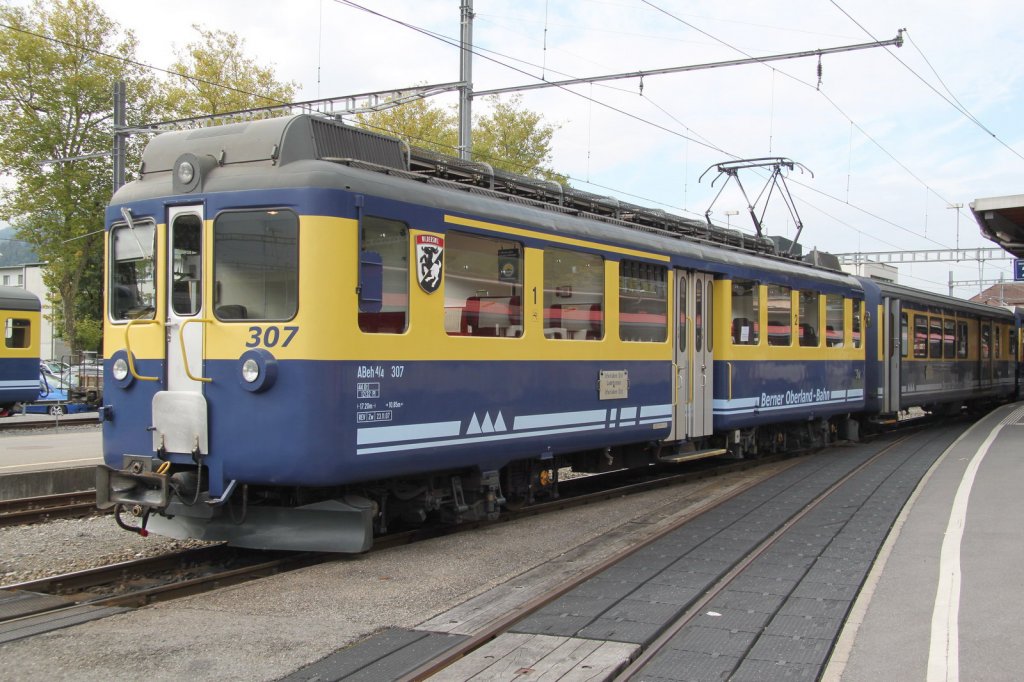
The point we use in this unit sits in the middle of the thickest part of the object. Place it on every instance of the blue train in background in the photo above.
(314, 334)
(19, 351)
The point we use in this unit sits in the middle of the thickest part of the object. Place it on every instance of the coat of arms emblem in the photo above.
(429, 261)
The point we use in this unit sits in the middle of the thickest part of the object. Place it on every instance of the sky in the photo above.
(887, 140)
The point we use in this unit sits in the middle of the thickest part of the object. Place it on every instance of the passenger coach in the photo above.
(19, 353)
(313, 335)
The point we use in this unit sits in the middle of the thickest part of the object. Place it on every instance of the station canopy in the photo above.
(1002, 220)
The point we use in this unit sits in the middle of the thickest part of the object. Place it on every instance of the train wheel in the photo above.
(57, 410)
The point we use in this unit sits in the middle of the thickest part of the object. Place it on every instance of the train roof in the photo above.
(933, 300)
(360, 161)
(14, 298)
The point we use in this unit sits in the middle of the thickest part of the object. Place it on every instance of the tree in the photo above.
(58, 63)
(216, 77)
(509, 137)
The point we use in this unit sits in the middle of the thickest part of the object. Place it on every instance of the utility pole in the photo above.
(466, 76)
(120, 137)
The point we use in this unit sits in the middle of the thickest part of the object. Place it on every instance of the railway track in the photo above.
(35, 509)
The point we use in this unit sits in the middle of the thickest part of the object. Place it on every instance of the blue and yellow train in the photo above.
(314, 333)
(19, 352)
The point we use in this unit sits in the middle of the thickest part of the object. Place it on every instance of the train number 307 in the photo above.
(271, 337)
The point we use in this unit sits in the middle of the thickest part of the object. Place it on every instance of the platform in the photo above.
(944, 598)
(48, 462)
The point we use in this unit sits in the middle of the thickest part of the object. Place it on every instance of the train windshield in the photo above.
(132, 288)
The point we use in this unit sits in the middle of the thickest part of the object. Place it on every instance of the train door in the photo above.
(985, 353)
(185, 299)
(693, 356)
(893, 338)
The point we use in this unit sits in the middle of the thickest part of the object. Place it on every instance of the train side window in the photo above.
(132, 288)
(709, 313)
(483, 284)
(961, 339)
(17, 332)
(682, 314)
(949, 339)
(904, 335)
(1013, 342)
(780, 315)
(935, 338)
(858, 316)
(920, 336)
(389, 239)
(573, 295)
(986, 342)
(835, 332)
(745, 310)
(256, 265)
(643, 302)
(810, 322)
(998, 342)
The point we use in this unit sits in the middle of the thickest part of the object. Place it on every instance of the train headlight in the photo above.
(257, 370)
(250, 370)
(120, 369)
(186, 171)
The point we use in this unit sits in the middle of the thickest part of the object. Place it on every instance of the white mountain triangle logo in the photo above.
(486, 425)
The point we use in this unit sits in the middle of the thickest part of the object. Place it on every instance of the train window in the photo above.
(682, 314)
(16, 333)
(949, 339)
(256, 265)
(132, 287)
(390, 240)
(935, 338)
(573, 295)
(998, 345)
(745, 306)
(780, 315)
(920, 336)
(698, 315)
(709, 314)
(835, 331)
(186, 264)
(483, 283)
(1013, 342)
(904, 335)
(986, 342)
(810, 322)
(858, 315)
(961, 339)
(643, 302)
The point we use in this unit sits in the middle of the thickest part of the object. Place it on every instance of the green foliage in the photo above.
(509, 137)
(58, 63)
(219, 77)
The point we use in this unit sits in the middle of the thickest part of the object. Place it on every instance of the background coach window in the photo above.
(643, 301)
(573, 295)
(483, 284)
(256, 265)
(780, 314)
(390, 239)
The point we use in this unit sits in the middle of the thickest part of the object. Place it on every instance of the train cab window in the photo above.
(390, 240)
(186, 264)
(961, 339)
(573, 295)
(643, 302)
(948, 339)
(780, 315)
(858, 316)
(17, 332)
(835, 331)
(920, 336)
(935, 338)
(483, 284)
(745, 309)
(256, 265)
(132, 288)
(810, 322)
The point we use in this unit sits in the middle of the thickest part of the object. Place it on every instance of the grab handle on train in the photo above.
(128, 347)
(184, 354)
